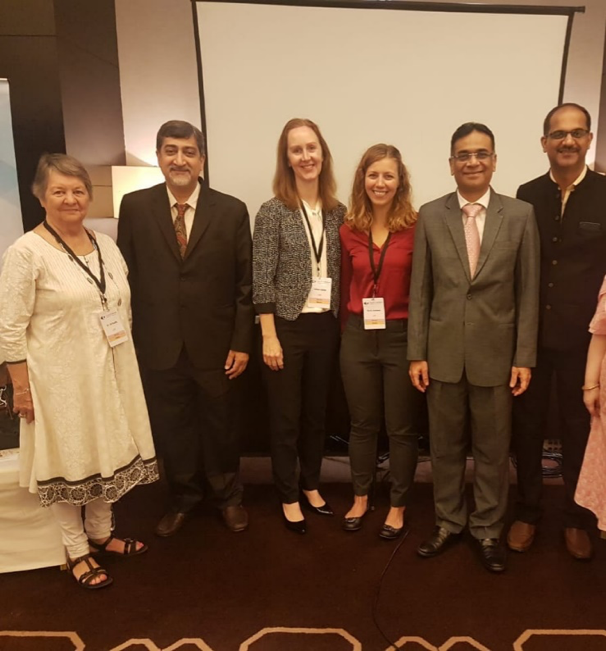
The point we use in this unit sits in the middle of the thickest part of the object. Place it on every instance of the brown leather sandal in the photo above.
(130, 547)
(85, 579)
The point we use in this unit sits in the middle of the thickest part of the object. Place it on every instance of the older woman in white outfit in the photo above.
(65, 333)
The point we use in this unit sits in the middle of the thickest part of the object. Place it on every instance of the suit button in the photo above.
(554, 262)
(549, 284)
(548, 307)
(555, 239)
(557, 218)
(469, 297)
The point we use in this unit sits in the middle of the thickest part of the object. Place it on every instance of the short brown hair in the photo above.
(285, 188)
(401, 215)
(180, 129)
(63, 164)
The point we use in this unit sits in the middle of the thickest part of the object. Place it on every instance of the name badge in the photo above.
(113, 328)
(319, 296)
(374, 313)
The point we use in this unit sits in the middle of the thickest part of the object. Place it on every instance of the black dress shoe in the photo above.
(493, 554)
(170, 524)
(388, 532)
(320, 510)
(298, 526)
(439, 540)
(235, 517)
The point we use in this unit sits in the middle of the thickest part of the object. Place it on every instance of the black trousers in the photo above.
(297, 400)
(192, 413)
(375, 376)
(529, 418)
(489, 411)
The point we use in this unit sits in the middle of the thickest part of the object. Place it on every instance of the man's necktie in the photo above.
(472, 234)
(180, 229)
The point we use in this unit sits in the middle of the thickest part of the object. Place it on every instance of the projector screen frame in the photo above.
(404, 5)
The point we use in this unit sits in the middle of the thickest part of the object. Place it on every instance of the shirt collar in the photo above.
(192, 202)
(574, 184)
(484, 200)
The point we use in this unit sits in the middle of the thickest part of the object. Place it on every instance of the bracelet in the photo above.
(594, 386)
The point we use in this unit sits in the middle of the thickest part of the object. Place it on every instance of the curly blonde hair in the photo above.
(360, 214)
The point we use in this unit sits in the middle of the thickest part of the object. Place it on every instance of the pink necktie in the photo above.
(180, 229)
(472, 234)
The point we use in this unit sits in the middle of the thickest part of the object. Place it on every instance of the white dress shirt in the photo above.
(315, 221)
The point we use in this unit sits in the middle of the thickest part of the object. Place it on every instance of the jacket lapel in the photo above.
(454, 223)
(202, 218)
(162, 215)
(494, 217)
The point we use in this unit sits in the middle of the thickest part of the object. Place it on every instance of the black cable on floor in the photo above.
(375, 601)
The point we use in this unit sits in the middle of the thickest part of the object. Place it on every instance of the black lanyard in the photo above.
(317, 250)
(100, 282)
(376, 271)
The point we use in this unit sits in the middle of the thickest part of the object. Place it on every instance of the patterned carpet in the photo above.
(270, 590)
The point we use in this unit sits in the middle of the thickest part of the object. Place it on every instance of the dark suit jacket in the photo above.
(481, 326)
(202, 302)
(573, 257)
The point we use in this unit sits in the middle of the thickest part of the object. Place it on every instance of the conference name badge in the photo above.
(374, 313)
(319, 296)
(113, 328)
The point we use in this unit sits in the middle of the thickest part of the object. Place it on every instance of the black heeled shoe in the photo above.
(320, 510)
(298, 526)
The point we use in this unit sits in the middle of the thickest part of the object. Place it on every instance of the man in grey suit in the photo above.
(472, 336)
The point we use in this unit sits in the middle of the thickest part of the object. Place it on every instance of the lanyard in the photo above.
(318, 249)
(100, 282)
(376, 271)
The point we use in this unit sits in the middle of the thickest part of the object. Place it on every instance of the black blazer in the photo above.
(573, 257)
(202, 302)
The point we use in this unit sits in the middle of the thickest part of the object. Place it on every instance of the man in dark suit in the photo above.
(570, 205)
(472, 338)
(188, 250)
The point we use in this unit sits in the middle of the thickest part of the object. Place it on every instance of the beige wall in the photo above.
(159, 76)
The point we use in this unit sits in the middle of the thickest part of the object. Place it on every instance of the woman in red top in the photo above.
(376, 262)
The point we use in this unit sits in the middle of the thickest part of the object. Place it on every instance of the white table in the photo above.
(29, 536)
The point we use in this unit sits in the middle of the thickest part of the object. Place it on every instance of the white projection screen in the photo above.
(369, 75)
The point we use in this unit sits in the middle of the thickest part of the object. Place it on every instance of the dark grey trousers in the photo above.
(489, 410)
(375, 376)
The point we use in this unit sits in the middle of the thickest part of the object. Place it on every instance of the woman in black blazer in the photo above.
(296, 268)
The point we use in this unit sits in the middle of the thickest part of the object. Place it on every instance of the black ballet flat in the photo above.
(320, 510)
(298, 526)
(388, 532)
(353, 524)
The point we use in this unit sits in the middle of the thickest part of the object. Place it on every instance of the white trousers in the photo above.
(75, 532)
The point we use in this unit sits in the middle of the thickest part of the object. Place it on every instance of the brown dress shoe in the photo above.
(578, 544)
(235, 517)
(520, 536)
(170, 524)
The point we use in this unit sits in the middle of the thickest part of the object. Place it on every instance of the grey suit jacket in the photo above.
(481, 326)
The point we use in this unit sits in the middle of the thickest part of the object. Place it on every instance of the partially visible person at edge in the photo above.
(296, 260)
(65, 333)
(591, 487)
(570, 206)
(188, 249)
(376, 263)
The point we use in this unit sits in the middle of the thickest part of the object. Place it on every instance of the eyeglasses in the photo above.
(465, 156)
(577, 134)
